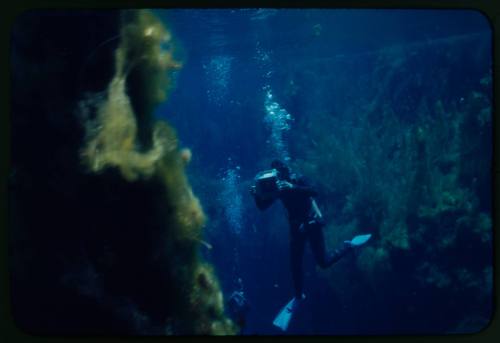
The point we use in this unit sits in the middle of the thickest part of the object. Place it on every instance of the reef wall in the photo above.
(104, 227)
(403, 151)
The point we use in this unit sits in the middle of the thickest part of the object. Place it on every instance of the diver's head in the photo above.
(282, 168)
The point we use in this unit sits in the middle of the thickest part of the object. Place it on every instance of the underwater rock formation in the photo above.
(409, 161)
(104, 226)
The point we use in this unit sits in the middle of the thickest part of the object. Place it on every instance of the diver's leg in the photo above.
(297, 244)
(317, 241)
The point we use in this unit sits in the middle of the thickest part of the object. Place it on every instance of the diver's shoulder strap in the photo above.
(315, 208)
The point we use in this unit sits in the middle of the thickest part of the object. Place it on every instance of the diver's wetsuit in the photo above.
(298, 202)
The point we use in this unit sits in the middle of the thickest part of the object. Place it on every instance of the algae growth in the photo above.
(111, 230)
(409, 161)
(113, 142)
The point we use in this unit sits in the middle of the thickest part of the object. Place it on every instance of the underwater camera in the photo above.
(265, 183)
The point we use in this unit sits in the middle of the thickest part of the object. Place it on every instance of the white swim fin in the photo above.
(285, 315)
(360, 240)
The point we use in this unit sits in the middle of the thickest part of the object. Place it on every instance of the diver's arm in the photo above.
(300, 187)
(306, 190)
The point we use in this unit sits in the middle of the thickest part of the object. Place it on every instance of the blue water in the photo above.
(251, 81)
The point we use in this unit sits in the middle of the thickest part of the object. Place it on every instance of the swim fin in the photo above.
(285, 315)
(360, 240)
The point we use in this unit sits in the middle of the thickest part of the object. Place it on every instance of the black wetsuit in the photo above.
(298, 202)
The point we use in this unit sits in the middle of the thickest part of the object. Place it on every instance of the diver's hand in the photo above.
(282, 185)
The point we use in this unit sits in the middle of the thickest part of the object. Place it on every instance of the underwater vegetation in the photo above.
(409, 160)
(112, 136)
(108, 234)
(116, 228)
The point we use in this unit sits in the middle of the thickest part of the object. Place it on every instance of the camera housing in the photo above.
(265, 183)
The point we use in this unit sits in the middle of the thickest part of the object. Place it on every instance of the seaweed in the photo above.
(118, 252)
(141, 59)
(411, 166)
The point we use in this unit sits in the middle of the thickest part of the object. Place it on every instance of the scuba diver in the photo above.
(306, 224)
(238, 306)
